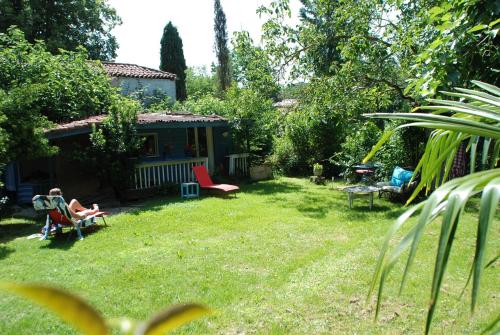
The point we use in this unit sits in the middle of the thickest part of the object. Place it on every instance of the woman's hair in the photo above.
(55, 191)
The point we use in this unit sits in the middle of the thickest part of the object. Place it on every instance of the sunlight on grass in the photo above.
(285, 256)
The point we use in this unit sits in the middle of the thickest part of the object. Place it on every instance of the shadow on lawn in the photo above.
(11, 231)
(67, 239)
(271, 187)
(5, 251)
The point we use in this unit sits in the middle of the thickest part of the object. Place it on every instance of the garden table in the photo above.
(362, 190)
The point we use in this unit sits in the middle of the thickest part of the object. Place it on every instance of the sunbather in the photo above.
(76, 209)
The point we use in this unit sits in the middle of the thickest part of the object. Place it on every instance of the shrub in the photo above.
(359, 142)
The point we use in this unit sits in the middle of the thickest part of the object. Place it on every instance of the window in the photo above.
(150, 145)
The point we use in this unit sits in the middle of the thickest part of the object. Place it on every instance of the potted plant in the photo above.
(317, 169)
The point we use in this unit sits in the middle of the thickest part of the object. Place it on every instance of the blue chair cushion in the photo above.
(400, 176)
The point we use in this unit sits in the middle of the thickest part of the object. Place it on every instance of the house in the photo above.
(131, 78)
(174, 143)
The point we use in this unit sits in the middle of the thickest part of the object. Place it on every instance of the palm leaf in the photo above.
(477, 118)
(67, 306)
(488, 207)
(487, 87)
(172, 318)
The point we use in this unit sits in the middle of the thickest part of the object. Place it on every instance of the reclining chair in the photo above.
(400, 186)
(59, 216)
(206, 182)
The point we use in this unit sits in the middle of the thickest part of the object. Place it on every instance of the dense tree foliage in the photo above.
(221, 48)
(387, 57)
(114, 145)
(38, 89)
(252, 67)
(64, 24)
(172, 58)
(251, 117)
(200, 82)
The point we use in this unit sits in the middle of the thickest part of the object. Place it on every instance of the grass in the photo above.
(284, 257)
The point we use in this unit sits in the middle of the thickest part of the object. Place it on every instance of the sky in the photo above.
(143, 22)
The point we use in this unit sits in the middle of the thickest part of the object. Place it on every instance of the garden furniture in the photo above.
(365, 171)
(399, 185)
(58, 215)
(358, 191)
(206, 182)
(190, 190)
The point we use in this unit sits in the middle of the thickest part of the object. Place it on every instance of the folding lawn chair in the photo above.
(59, 216)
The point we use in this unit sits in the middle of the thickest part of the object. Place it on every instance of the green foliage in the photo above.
(317, 169)
(251, 117)
(221, 49)
(172, 58)
(360, 141)
(476, 115)
(38, 88)
(411, 48)
(303, 136)
(199, 82)
(158, 100)
(89, 321)
(457, 41)
(252, 67)
(64, 24)
(115, 144)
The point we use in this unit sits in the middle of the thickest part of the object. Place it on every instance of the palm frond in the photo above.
(474, 119)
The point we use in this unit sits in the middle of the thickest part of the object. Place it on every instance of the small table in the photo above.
(190, 190)
(356, 191)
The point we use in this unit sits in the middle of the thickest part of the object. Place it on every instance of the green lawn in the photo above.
(284, 257)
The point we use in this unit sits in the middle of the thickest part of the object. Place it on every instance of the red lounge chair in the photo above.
(206, 182)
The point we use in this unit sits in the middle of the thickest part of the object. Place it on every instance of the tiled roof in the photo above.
(145, 118)
(135, 71)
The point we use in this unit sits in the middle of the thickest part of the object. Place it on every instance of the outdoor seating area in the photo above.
(281, 242)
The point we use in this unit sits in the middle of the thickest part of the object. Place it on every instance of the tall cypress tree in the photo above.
(172, 58)
(221, 50)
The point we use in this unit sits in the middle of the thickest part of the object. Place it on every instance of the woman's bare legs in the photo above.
(80, 212)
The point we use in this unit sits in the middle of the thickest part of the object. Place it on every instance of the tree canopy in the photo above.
(64, 24)
(38, 89)
(172, 58)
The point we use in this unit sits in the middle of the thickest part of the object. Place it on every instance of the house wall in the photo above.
(73, 177)
(130, 85)
(176, 138)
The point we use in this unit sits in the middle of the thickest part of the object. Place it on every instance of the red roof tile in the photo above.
(135, 71)
(145, 118)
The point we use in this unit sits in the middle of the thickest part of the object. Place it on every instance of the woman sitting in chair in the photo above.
(76, 209)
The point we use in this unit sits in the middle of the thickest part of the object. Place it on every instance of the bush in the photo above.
(359, 143)
(305, 136)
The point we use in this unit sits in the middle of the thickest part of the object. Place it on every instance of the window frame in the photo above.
(156, 149)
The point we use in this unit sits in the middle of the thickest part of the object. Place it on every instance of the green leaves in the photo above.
(172, 318)
(67, 306)
(474, 119)
(89, 321)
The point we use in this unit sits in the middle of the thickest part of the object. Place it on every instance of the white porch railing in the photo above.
(238, 164)
(155, 174)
